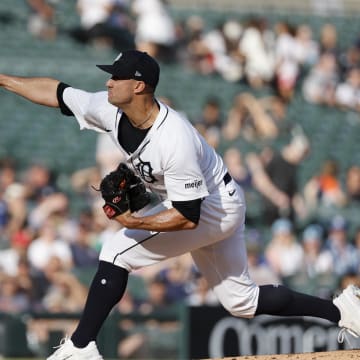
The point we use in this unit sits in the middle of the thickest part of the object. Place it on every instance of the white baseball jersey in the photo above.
(176, 163)
(174, 160)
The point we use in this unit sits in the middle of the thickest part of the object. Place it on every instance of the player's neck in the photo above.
(143, 119)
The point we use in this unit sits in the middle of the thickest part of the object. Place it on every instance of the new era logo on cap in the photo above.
(137, 73)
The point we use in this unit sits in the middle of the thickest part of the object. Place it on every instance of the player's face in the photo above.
(120, 92)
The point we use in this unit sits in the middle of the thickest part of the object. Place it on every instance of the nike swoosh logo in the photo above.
(231, 193)
(67, 357)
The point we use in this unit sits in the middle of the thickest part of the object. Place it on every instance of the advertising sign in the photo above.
(214, 333)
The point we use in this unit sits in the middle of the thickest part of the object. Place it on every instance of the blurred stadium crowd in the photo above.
(48, 253)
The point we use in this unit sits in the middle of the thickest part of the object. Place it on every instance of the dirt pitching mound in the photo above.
(328, 355)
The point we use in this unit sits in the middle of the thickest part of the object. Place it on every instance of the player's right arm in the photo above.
(40, 90)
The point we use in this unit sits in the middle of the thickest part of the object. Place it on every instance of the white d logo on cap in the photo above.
(118, 57)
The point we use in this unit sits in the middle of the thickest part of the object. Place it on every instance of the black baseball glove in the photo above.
(122, 190)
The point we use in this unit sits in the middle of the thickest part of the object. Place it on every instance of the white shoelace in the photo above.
(342, 335)
(62, 342)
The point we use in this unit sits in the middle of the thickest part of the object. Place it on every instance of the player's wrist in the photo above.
(129, 221)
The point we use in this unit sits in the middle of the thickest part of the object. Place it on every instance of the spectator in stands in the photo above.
(82, 250)
(342, 251)
(121, 26)
(201, 294)
(349, 59)
(16, 211)
(152, 339)
(16, 269)
(40, 182)
(13, 210)
(306, 48)
(157, 295)
(47, 245)
(131, 341)
(320, 84)
(42, 280)
(256, 119)
(155, 29)
(287, 66)
(104, 23)
(231, 66)
(222, 43)
(347, 93)
(237, 168)
(209, 123)
(316, 260)
(102, 226)
(199, 57)
(329, 40)
(65, 294)
(15, 252)
(276, 179)
(7, 173)
(41, 22)
(42, 195)
(9, 259)
(12, 299)
(4, 219)
(22, 237)
(259, 268)
(259, 57)
(283, 253)
(176, 277)
(353, 184)
(316, 275)
(56, 204)
(25, 279)
(325, 189)
(107, 158)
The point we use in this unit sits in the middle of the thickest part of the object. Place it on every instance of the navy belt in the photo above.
(227, 178)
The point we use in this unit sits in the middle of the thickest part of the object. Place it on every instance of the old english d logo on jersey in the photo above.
(145, 170)
(144, 167)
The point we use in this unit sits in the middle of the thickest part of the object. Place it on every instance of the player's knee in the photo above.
(239, 306)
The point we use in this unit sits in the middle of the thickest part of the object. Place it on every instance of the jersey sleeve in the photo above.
(91, 110)
(59, 94)
(183, 177)
(189, 209)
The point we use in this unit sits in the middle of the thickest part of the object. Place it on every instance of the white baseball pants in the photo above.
(217, 247)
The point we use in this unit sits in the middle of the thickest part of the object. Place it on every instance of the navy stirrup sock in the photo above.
(106, 290)
(281, 301)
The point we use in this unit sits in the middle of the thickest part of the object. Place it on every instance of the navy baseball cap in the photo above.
(338, 223)
(134, 64)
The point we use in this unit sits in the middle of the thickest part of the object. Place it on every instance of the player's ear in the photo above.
(140, 86)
